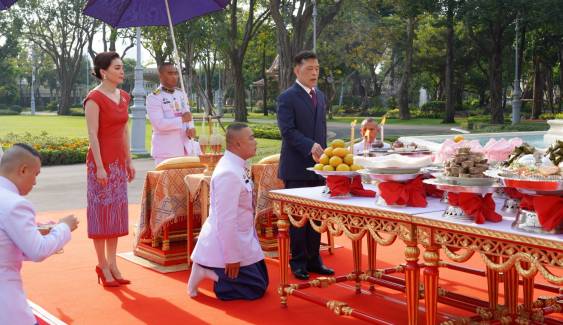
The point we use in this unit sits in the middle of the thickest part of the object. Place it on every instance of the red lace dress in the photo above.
(107, 205)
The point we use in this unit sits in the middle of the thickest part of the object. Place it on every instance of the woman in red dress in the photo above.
(108, 165)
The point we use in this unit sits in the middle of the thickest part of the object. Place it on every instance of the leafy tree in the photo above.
(60, 29)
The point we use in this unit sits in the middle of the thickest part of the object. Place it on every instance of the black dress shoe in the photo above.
(301, 274)
(322, 270)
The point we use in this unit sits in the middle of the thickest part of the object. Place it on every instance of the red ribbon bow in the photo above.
(342, 185)
(410, 193)
(433, 191)
(549, 209)
(513, 193)
(476, 206)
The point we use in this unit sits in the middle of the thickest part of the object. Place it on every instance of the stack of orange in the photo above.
(337, 158)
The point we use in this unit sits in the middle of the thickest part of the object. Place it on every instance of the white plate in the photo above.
(389, 177)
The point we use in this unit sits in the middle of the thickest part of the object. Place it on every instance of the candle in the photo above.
(383, 127)
(352, 129)
(366, 143)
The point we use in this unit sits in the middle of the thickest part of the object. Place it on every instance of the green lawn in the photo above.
(75, 127)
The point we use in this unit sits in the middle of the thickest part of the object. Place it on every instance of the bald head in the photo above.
(240, 140)
(21, 165)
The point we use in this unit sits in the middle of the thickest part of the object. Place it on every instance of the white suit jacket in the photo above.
(168, 131)
(228, 235)
(20, 240)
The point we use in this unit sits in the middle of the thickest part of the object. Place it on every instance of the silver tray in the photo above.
(465, 181)
(334, 173)
(483, 189)
(388, 177)
(411, 152)
(393, 170)
(538, 185)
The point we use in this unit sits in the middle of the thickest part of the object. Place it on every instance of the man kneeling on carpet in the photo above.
(227, 250)
(20, 237)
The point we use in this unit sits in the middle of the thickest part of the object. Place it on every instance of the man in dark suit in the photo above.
(302, 123)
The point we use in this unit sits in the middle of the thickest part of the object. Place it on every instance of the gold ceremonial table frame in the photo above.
(506, 253)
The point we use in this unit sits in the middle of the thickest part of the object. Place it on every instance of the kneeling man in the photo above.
(227, 250)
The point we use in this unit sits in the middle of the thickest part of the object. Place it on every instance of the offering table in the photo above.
(521, 254)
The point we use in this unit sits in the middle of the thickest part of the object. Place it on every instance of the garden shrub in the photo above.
(53, 150)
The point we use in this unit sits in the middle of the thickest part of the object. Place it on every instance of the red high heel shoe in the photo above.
(120, 280)
(105, 283)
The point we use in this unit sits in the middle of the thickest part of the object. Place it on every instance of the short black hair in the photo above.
(302, 56)
(28, 148)
(102, 61)
(232, 129)
(165, 64)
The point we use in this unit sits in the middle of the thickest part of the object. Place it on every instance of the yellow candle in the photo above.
(352, 129)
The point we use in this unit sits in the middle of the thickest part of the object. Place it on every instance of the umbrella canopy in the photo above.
(5, 4)
(138, 13)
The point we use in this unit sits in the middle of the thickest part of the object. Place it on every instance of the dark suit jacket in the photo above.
(300, 127)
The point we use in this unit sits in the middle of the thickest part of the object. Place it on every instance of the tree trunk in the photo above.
(65, 98)
(449, 116)
(549, 84)
(265, 88)
(240, 96)
(404, 111)
(537, 107)
(495, 76)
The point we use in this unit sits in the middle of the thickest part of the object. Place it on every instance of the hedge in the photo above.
(53, 150)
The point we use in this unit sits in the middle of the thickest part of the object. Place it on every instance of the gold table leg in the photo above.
(283, 253)
(431, 275)
(357, 253)
(372, 254)
(412, 279)
(511, 291)
(492, 284)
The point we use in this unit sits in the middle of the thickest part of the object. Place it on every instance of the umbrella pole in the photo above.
(176, 56)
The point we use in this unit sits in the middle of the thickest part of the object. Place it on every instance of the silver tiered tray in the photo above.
(454, 212)
(325, 174)
(528, 220)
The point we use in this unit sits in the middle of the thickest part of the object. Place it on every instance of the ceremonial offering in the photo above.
(333, 173)
(336, 158)
(45, 229)
(393, 162)
(537, 182)
(211, 146)
(468, 203)
(466, 168)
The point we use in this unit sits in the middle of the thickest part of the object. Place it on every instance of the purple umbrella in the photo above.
(137, 13)
(5, 4)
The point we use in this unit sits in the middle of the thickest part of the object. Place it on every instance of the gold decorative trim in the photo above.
(339, 307)
(459, 258)
(494, 235)
(339, 207)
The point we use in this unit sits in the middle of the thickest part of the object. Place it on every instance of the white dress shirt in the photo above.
(20, 240)
(228, 235)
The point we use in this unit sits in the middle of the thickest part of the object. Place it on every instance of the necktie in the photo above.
(313, 98)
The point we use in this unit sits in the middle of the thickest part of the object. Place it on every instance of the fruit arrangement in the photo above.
(337, 158)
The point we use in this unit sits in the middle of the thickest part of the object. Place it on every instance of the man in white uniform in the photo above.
(173, 130)
(20, 238)
(227, 250)
(368, 125)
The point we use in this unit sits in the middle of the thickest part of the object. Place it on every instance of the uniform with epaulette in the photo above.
(165, 108)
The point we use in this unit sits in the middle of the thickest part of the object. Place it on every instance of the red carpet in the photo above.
(65, 285)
